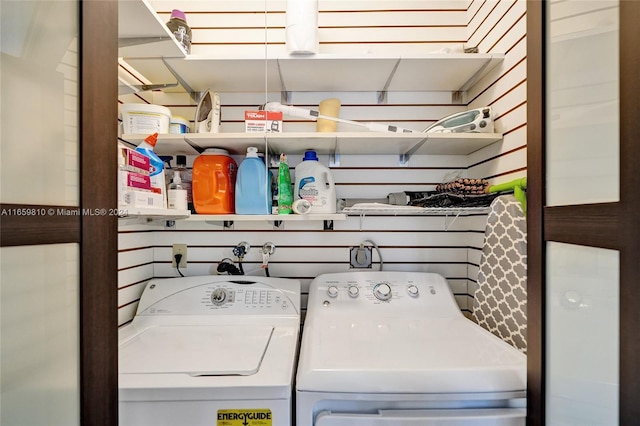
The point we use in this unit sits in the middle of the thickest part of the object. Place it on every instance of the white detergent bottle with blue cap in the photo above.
(253, 185)
(156, 174)
(315, 184)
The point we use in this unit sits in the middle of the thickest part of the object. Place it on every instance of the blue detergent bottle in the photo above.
(253, 185)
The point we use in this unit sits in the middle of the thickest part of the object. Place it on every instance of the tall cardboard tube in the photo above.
(329, 108)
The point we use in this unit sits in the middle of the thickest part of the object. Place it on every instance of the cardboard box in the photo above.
(133, 161)
(141, 199)
(262, 121)
(132, 180)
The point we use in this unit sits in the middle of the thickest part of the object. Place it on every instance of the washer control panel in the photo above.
(375, 290)
(398, 290)
(221, 298)
(382, 291)
(248, 299)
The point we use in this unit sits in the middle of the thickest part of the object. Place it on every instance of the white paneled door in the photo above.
(58, 336)
(585, 241)
(582, 167)
(39, 283)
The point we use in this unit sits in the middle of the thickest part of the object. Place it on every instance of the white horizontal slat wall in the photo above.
(135, 266)
(499, 26)
(304, 250)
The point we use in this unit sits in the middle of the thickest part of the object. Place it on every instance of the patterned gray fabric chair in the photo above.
(500, 303)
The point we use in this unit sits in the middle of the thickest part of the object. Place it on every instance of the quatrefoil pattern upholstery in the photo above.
(500, 303)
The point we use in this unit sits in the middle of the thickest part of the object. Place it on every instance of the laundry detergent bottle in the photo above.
(214, 182)
(253, 186)
(314, 183)
(156, 175)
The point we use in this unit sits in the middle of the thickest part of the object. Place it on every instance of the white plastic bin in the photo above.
(145, 119)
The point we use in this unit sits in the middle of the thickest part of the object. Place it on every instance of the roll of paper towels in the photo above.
(302, 27)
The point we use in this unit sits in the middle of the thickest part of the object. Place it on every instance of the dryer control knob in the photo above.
(332, 291)
(219, 296)
(382, 291)
(354, 291)
(412, 290)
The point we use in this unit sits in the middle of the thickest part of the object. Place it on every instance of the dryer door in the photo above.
(464, 417)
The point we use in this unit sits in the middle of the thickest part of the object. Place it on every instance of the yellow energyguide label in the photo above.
(245, 417)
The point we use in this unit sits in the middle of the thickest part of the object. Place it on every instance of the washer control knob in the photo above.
(382, 291)
(219, 296)
(354, 291)
(332, 291)
(412, 290)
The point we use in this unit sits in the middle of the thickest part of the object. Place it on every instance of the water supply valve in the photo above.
(241, 249)
(268, 248)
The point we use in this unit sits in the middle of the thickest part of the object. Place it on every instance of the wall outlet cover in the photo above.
(179, 249)
(360, 257)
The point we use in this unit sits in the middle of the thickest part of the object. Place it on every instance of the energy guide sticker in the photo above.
(245, 417)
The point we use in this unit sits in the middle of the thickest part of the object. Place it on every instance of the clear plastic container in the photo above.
(187, 179)
(180, 29)
(176, 194)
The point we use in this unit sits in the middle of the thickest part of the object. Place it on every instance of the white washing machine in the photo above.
(211, 350)
(393, 348)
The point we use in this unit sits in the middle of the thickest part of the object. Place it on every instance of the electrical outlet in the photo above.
(179, 249)
(360, 257)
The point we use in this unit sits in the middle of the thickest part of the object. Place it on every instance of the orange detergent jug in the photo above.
(214, 181)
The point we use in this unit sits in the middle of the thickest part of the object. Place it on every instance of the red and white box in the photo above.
(133, 180)
(263, 121)
(134, 161)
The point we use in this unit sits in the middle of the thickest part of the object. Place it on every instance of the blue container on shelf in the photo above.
(253, 185)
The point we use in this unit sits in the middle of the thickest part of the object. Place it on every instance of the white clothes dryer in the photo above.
(393, 348)
(211, 350)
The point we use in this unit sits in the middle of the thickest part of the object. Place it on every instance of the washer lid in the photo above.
(196, 350)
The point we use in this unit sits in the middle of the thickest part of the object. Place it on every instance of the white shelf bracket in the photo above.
(458, 97)
(361, 224)
(403, 159)
(194, 96)
(475, 77)
(334, 160)
(382, 94)
(448, 226)
(285, 95)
